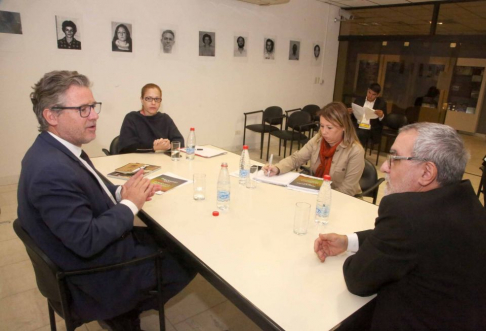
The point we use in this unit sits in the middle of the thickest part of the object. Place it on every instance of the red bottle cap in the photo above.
(215, 213)
(327, 177)
(192, 129)
(245, 147)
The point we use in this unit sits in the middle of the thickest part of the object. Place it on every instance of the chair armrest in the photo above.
(306, 125)
(378, 183)
(107, 153)
(291, 111)
(253, 112)
(159, 254)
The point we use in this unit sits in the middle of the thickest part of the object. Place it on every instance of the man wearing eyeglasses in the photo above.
(425, 258)
(80, 221)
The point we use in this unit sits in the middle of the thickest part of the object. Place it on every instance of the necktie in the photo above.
(92, 169)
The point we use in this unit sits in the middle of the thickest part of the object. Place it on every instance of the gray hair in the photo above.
(441, 145)
(50, 91)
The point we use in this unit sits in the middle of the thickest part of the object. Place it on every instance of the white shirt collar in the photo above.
(72, 148)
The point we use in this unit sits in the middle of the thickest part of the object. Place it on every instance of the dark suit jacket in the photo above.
(62, 206)
(376, 124)
(426, 261)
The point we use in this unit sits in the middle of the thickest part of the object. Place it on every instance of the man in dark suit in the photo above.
(376, 103)
(78, 220)
(425, 257)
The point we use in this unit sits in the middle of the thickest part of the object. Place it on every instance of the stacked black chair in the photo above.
(393, 122)
(297, 123)
(113, 147)
(52, 281)
(270, 117)
(369, 182)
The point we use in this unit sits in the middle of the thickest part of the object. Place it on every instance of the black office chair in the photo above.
(393, 122)
(113, 147)
(52, 281)
(297, 123)
(369, 182)
(312, 110)
(270, 117)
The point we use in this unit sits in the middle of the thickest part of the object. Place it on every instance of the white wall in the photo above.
(209, 94)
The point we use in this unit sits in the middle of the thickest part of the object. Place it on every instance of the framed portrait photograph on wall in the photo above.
(68, 33)
(122, 37)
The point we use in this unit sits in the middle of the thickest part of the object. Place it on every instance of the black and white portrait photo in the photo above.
(294, 50)
(269, 48)
(207, 43)
(167, 40)
(68, 36)
(240, 46)
(122, 40)
(316, 58)
(10, 22)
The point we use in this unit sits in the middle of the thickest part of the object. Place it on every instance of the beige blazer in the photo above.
(346, 168)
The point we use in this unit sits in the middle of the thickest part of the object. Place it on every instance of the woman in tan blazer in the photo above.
(334, 151)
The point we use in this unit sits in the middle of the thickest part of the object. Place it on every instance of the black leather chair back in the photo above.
(114, 149)
(45, 270)
(273, 111)
(298, 118)
(369, 182)
(312, 110)
(395, 121)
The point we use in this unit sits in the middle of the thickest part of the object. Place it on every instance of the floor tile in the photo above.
(150, 321)
(6, 231)
(12, 251)
(16, 278)
(9, 213)
(61, 326)
(25, 311)
(224, 316)
(8, 188)
(197, 297)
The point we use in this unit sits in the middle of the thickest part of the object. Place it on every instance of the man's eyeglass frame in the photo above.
(390, 158)
(96, 106)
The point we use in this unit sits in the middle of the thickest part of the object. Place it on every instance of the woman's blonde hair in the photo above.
(336, 112)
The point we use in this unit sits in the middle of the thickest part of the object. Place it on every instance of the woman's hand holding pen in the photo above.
(270, 170)
(161, 144)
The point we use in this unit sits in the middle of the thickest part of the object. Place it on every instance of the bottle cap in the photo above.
(224, 164)
(192, 129)
(215, 213)
(327, 177)
(245, 146)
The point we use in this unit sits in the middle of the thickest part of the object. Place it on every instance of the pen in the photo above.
(269, 165)
(199, 149)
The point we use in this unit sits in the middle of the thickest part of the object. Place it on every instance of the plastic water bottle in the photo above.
(244, 165)
(323, 204)
(223, 199)
(191, 145)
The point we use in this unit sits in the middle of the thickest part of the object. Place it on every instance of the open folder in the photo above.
(293, 180)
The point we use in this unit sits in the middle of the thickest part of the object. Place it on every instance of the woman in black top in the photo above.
(148, 130)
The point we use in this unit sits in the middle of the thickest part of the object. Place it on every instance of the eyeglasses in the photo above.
(84, 110)
(390, 158)
(150, 99)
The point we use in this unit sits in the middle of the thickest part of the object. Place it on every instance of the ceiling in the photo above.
(455, 18)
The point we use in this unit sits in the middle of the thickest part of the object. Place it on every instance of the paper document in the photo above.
(359, 112)
(281, 180)
(168, 181)
(207, 152)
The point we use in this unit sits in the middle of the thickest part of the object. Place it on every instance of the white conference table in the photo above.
(250, 253)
